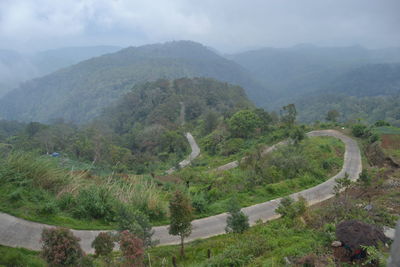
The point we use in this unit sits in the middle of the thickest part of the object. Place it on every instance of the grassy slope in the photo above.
(37, 204)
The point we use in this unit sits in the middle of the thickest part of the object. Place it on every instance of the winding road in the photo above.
(16, 232)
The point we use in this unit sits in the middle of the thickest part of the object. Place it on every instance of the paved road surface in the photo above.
(194, 154)
(15, 232)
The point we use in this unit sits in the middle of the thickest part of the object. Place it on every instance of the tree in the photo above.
(332, 115)
(342, 184)
(103, 244)
(288, 114)
(60, 247)
(237, 221)
(132, 249)
(297, 134)
(136, 223)
(181, 217)
(360, 130)
(244, 123)
(210, 122)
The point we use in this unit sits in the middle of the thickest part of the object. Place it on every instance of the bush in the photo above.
(131, 248)
(237, 221)
(94, 202)
(136, 223)
(27, 169)
(48, 208)
(66, 201)
(60, 247)
(103, 244)
(359, 130)
(199, 202)
(291, 209)
(231, 146)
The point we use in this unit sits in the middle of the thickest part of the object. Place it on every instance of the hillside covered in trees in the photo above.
(80, 92)
(17, 67)
(369, 93)
(355, 81)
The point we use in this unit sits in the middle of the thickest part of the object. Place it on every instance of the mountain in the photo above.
(16, 68)
(370, 92)
(162, 101)
(80, 92)
(51, 60)
(295, 71)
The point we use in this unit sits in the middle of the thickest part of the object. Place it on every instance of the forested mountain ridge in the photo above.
(16, 67)
(369, 93)
(302, 69)
(161, 102)
(79, 93)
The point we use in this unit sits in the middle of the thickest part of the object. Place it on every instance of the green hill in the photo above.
(302, 69)
(160, 102)
(369, 93)
(79, 93)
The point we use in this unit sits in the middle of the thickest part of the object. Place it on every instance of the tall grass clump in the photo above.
(29, 169)
(139, 192)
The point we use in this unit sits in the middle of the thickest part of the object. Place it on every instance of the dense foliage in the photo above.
(80, 92)
(61, 247)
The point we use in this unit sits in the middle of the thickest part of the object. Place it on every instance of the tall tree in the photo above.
(244, 123)
(332, 115)
(288, 114)
(181, 217)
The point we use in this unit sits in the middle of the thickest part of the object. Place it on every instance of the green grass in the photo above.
(387, 130)
(19, 257)
(262, 245)
(33, 187)
(232, 183)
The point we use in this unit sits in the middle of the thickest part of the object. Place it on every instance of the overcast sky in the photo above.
(227, 25)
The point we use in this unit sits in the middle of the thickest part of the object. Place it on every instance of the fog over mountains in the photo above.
(16, 67)
(272, 77)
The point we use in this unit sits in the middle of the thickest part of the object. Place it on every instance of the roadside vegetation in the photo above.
(90, 182)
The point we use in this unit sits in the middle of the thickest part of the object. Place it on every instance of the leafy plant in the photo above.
(132, 249)
(237, 221)
(60, 247)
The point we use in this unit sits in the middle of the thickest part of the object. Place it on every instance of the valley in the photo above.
(107, 144)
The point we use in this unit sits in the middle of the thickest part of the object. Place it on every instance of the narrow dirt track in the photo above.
(16, 232)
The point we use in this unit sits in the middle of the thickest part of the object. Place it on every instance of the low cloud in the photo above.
(226, 25)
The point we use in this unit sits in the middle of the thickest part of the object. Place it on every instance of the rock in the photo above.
(368, 207)
(336, 244)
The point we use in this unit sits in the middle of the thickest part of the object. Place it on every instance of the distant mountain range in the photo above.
(295, 71)
(307, 75)
(80, 92)
(16, 68)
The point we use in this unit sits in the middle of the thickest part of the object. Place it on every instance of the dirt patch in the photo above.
(390, 141)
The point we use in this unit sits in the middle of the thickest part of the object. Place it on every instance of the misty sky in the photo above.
(227, 25)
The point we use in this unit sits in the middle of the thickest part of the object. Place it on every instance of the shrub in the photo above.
(231, 146)
(60, 247)
(94, 202)
(48, 208)
(103, 244)
(237, 221)
(291, 209)
(131, 248)
(26, 169)
(199, 202)
(136, 223)
(66, 201)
